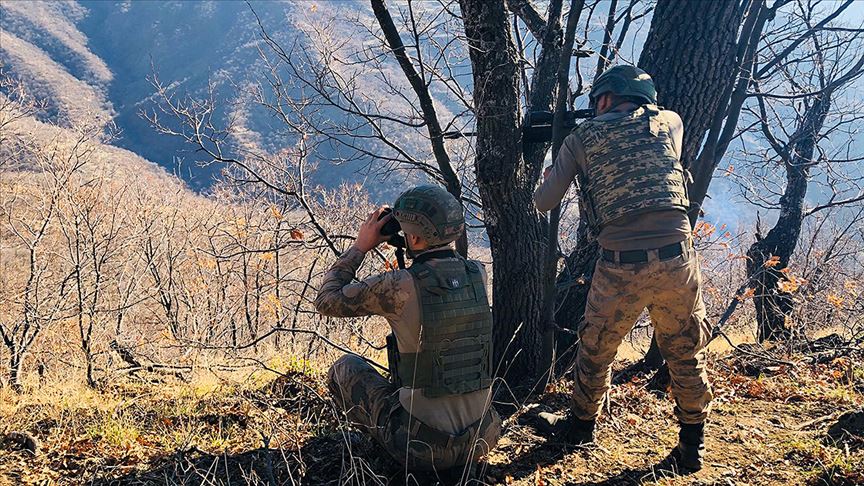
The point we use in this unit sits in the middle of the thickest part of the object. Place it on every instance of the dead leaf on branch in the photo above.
(834, 300)
(748, 294)
(275, 212)
(790, 284)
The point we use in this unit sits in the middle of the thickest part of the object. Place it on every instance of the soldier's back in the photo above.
(652, 229)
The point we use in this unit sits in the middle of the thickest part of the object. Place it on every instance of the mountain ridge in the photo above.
(92, 62)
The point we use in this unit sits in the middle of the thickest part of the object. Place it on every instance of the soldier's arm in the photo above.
(486, 283)
(561, 175)
(676, 131)
(378, 295)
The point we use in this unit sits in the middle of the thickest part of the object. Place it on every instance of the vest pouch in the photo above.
(393, 359)
(462, 366)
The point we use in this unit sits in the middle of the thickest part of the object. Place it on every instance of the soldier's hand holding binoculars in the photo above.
(369, 236)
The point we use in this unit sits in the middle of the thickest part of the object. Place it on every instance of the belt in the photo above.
(641, 256)
(423, 433)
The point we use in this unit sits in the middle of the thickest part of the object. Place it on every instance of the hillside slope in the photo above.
(92, 62)
(793, 425)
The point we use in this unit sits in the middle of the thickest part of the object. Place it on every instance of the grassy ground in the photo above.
(763, 430)
(767, 429)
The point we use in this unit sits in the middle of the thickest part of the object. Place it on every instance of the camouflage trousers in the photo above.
(371, 403)
(671, 291)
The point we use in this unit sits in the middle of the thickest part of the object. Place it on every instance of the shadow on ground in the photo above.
(538, 456)
(337, 459)
(195, 467)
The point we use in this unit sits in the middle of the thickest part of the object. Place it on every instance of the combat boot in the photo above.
(580, 432)
(691, 446)
(569, 429)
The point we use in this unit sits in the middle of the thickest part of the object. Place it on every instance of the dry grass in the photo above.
(254, 429)
(126, 431)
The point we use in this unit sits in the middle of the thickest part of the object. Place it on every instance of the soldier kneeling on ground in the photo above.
(434, 414)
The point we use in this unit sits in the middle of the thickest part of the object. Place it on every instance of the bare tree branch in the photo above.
(529, 14)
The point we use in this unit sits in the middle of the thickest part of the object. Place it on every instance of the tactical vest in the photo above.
(455, 351)
(631, 167)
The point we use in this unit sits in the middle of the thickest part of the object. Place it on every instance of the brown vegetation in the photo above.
(153, 335)
(778, 424)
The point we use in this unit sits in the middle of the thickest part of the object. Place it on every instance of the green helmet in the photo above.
(625, 81)
(430, 212)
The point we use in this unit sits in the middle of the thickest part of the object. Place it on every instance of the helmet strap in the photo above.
(400, 257)
(399, 242)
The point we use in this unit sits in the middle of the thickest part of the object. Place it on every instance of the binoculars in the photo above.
(392, 228)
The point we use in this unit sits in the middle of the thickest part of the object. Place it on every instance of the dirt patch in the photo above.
(754, 435)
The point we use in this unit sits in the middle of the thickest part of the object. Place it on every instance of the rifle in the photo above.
(537, 126)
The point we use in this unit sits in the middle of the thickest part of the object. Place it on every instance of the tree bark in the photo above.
(690, 54)
(91, 381)
(725, 118)
(15, 362)
(515, 233)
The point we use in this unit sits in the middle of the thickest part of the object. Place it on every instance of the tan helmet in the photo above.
(430, 212)
(627, 81)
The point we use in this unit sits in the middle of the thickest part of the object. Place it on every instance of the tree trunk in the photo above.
(544, 86)
(774, 304)
(15, 373)
(695, 94)
(690, 54)
(550, 292)
(88, 361)
(515, 233)
(91, 382)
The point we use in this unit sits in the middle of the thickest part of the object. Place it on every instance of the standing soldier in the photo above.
(626, 163)
(434, 414)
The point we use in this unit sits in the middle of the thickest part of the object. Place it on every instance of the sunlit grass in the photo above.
(823, 464)
(114, 430)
